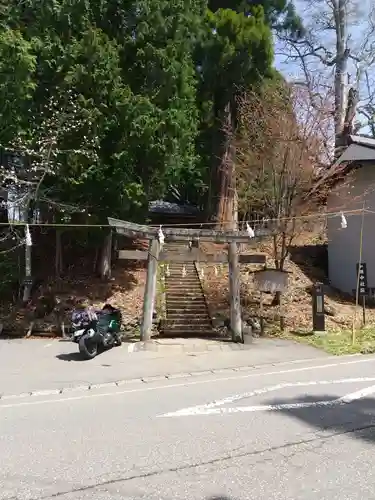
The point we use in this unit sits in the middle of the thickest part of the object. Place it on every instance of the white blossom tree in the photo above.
(58, 134)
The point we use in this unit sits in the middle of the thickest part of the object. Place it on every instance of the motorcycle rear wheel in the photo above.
(87, 347)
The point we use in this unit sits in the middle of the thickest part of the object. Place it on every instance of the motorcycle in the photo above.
(96, 330)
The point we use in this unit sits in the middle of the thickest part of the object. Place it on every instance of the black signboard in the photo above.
(318, 308)
(362, 279)
(28, 281)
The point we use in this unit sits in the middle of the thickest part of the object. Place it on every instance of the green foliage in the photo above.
(17, 67)
(235, 52)
(9, 273)
(280, 15)
(119, 100)
(240, 48)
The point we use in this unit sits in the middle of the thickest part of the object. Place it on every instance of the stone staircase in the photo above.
(186, 307)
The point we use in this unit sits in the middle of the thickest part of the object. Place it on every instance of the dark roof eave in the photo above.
(368, 142)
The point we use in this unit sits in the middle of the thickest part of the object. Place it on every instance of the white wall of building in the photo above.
(344, 244)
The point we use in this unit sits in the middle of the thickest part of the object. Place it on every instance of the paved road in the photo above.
(34, 365)
(298, 431)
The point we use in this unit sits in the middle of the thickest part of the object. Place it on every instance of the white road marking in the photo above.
(213, 408)
(354, 396)
(167, 385)
(47, 345)
(253, 409)
(258, 392)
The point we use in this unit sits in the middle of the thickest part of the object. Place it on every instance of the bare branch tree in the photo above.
(366, 109)
(276, 162)
(339, 48)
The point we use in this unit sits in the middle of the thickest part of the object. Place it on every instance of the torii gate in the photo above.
(155, 255)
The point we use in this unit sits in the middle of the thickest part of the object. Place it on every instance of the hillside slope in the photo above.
(306, 264)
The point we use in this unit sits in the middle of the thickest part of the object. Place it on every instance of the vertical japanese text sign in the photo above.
(362, 279)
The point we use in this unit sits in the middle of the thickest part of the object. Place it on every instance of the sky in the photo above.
(361, 20)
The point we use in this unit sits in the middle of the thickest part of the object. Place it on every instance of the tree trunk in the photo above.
(106, 257)
(58, 255)
(227, 210)
(341, 73)
(3, 206)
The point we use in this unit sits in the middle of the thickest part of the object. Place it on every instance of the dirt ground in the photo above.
(307, 264)
(124, 290)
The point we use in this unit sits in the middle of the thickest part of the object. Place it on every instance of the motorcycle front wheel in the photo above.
(87, 347)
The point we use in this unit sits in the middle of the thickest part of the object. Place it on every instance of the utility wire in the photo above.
(253, 222)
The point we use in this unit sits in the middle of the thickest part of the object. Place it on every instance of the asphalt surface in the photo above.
(34, 365)
(272, 433)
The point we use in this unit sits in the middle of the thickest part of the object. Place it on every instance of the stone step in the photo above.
(194, 332)
(187, 321)
(186, 311)
(176, 244)
(179, 267)
(185, 316)
(178, 275)
(186, 308)
(176, 250)
(182, 279)
(183, 308)
(193, 296)
(189, 294)
(188, 276)
(182, 302)
(186, 286)
(185, 299)
(180, 264)
(184, 292)
(179, 278)
(187, 328)
(173, 303)
(189, 333)
(182, 282)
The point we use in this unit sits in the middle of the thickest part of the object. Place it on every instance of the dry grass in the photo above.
(125, 291)
(296, 302)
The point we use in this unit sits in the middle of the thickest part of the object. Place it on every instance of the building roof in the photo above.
(362, 140)
(359, 148)
(166, 207)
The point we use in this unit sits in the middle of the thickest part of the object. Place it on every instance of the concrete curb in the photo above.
(159, 378)
(155, 346)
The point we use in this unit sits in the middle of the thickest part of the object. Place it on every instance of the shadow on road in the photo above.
(356, 419)
(70, 356)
